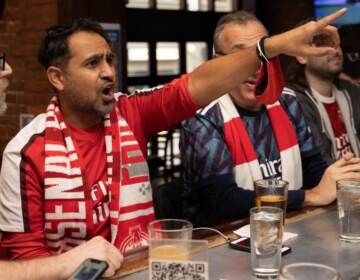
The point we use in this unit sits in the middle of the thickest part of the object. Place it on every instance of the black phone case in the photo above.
(243, 244)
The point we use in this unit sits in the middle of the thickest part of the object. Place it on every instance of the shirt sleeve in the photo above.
(21, 198)
(25, 245)
(295, 199)
(270, 83)
(162, 108)
(224, 198)
(314, 167)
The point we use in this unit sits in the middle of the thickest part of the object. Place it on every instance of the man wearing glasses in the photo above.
(236, 140)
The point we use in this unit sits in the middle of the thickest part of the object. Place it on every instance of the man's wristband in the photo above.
(261, 51)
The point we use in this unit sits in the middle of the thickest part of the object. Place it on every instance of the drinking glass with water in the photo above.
(348, 200)
(266, 231)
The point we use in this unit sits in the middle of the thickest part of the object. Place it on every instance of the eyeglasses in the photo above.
(2, 61)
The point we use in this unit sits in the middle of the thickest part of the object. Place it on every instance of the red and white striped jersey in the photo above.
(22, 173)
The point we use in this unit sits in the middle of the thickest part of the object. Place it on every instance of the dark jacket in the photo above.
(312, 115)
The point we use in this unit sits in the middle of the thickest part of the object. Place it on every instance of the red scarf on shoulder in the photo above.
(247, 167)
(68, 209)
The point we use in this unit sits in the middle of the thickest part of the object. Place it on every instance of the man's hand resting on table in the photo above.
(325, 192)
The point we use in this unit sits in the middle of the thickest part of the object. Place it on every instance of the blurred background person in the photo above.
(331, 105)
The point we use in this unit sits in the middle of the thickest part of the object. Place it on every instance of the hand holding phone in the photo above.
(244, 244)
(90, 269)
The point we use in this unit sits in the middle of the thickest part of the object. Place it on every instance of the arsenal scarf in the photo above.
(69, 215)
(247, 167)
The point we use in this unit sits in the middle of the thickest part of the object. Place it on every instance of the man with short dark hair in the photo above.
(236, 140)
(61, 266)
(79, 170)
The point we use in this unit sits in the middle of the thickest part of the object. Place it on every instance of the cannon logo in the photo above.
(136, 239)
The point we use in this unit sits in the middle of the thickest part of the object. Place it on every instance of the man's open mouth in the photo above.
(107, 92)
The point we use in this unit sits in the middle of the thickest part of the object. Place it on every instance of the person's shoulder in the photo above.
(288, 96)
(294, 89)
(291, 102)
(295, 93)
(138, 93)
(209, 115)
(350, 87)
(120, 95)
(32, 133)
(124, 103)
(124, 100)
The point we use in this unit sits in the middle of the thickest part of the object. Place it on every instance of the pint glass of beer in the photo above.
(271, 192)
(168, 239)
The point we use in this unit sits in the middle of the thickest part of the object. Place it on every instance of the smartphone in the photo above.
(90, 269)
(243, 244)
(2, 61)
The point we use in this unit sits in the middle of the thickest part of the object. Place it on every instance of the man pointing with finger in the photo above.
(79, 170)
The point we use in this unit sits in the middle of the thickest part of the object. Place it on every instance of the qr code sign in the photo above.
(170, 270)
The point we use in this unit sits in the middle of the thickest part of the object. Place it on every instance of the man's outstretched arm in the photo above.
(218, 76)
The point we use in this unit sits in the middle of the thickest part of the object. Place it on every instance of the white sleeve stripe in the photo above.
(13, 205)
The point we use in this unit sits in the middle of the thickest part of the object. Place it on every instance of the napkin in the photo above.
(245, 232)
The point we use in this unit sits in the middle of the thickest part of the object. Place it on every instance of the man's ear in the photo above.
(302, 60)
(56, 77)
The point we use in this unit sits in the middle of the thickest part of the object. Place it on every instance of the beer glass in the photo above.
(168, 239)
(271, 192)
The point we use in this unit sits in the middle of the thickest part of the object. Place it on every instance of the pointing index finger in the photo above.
(330, 18)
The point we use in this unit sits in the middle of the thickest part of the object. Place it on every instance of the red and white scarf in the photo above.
(247, 167)
(68, 207)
